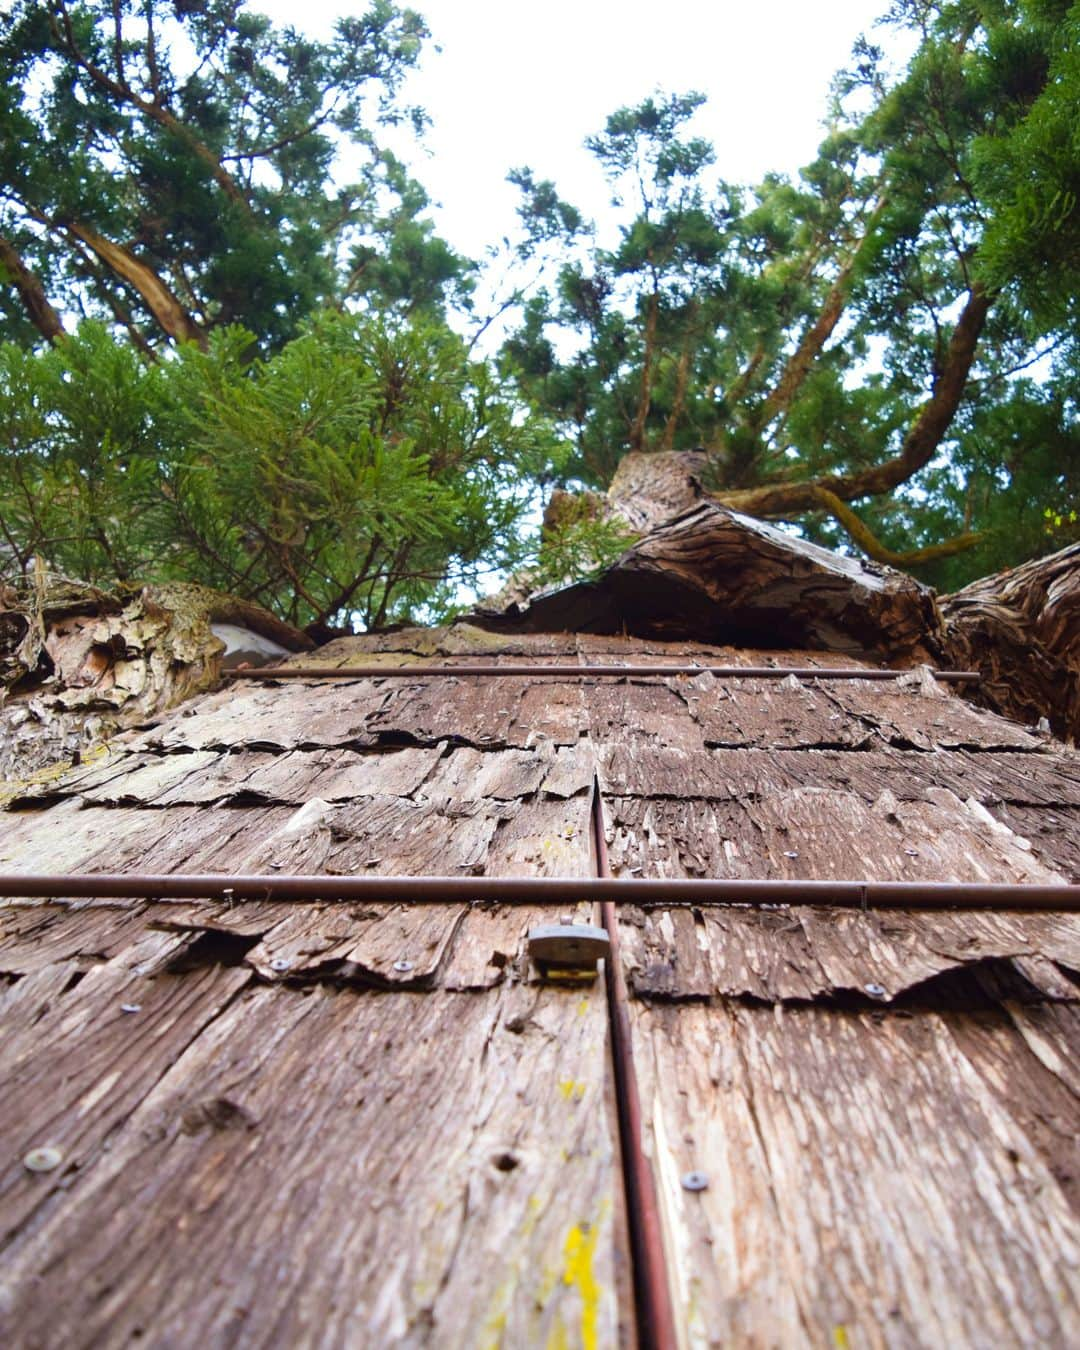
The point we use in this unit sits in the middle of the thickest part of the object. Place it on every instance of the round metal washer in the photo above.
(694, 1181)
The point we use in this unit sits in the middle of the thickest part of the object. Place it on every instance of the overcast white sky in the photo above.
(518, 84)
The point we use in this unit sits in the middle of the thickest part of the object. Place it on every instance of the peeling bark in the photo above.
(78, 664)
(703, 572)
(387, 1122)
(1021, 629)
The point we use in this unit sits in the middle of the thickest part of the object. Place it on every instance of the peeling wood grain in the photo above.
(1054, 833)
(869, 1184)
(491, 944)
(293, 778)
(460, 947)
(248, 920)
(490, 1219)
(341, 1113)
(447, 946)
(632, 767)
(819, 833)
(386, 945)
(927, 717)
(727, 578)
(461, 638)
(1041, 1089)
(764, 713)
(391, 835)
(800, 953)
(35, 936)
(24, 1001)
(1020, 628)
(74, 1077)
(77, 664)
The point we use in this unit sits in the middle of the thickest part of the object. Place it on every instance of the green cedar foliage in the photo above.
(358, 477)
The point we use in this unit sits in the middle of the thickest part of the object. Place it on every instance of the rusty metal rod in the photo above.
(652, 1287)
(562, 672)
(544, 890)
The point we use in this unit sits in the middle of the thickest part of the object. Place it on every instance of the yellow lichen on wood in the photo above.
(51, 773)
(580, 1252)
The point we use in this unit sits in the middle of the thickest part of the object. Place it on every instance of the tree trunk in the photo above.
(702, 572)
(637, 428)
(1021, 629)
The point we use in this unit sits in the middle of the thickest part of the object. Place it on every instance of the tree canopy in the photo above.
(176, 166)
(267, 393)
(896, 332)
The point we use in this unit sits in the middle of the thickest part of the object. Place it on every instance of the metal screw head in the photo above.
(403, 967)
(42, 1159)
(130, 1007)
(876, 990)
(791, 854)
(280, 963)
(694, 1181)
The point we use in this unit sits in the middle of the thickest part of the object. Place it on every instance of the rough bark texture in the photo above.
(316, 1158)
(700, 570)
(1021, 629)
(703, 571)
(869, 1175)
(78, 664)
(378, 1124)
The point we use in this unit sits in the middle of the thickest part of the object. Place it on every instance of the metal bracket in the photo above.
(568, 951)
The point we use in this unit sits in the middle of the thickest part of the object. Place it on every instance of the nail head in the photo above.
(694, 1181)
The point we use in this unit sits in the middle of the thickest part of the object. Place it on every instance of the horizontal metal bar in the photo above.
(563, 672)
(546, 890)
